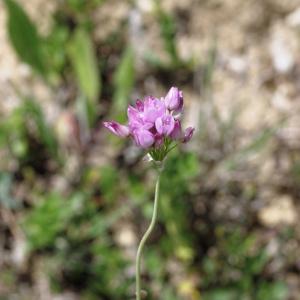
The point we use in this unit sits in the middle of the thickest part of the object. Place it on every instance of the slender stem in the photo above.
(144, 239)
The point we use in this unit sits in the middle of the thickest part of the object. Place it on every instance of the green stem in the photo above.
(144, 239)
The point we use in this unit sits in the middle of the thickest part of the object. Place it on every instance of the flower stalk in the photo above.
(146, 236)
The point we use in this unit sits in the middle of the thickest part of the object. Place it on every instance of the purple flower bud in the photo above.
(143, 138)
(177, 132)
(174, 100)
(153, 109)
(165, 125)
(117, 129)
(188, 133)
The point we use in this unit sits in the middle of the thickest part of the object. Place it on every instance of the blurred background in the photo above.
(75, 200)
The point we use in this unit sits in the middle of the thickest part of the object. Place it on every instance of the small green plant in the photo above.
(238, 262)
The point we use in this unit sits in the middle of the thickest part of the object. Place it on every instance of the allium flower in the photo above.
(154, 124)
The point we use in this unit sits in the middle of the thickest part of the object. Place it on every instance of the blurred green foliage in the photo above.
(238, 262)
(85, 65)
(124, 79)
(74, 231)
(24, 37)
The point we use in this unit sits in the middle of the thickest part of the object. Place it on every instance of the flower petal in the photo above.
(143, 138)
(174, 100)
(165, 124)
(177, 131)
(153, 109)
(117, 129)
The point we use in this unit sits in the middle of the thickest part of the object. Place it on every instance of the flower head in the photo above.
(154, 124)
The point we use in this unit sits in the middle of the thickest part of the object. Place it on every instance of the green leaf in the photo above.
(84, 62)
(24, 37)
(124, 79)
(46, 135)
(168, 33)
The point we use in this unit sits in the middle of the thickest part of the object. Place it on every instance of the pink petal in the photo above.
(117, 129)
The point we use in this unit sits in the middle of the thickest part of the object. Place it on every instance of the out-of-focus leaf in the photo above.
(86, 114)
(273, 290)
(13, 132)
(109, 177)
(24, 37)
(6, 198)
(49, 217)
(33, 110)
(84, 62)
(55, 56)
(169, 294)
(83, 6)
(168, 32)
(100, 224)
(124, 79)
(255, 264)
(110, 266)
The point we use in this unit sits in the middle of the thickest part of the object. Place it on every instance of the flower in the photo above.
(176, 132)
(117, 129)
(153, 109)
(165, 125)
(174, 100)
(154, 124)
(143, 137)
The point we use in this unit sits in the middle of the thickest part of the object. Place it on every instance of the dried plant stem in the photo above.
(144, 239)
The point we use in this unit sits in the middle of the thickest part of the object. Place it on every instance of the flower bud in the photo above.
(174, 100)
(117, 129)
(188, 133)
(176, 133)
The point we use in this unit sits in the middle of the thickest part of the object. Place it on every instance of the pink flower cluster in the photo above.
(154, 122)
